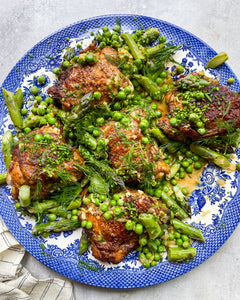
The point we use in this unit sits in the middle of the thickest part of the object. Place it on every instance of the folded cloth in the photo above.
(17, 283)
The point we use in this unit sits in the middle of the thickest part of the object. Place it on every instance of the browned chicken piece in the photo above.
(110, 241)
(132, 159)
(217, 106)
(44, 166)
(79, 80)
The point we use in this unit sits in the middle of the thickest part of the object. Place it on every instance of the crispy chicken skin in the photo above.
(222, 111)
(127, 153)
(43, 166)
(78, 80)
(110, 241)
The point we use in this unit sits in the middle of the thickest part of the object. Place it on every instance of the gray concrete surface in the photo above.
(217, 22)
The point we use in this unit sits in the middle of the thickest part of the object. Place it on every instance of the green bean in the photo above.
(56, 226)
(24, 195)
(151, 224)
(13, 109)
(148, 85)
(173, 206)
(180, 254)
(135, 51)
(189, 230)
(84, 243)
(19, 98)
(210, 155)
(7, 142)
(3, 177)
(182, 200)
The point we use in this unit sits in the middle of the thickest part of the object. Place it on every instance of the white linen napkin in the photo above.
(17, 283)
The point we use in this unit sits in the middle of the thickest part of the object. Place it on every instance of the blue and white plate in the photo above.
(215, 204)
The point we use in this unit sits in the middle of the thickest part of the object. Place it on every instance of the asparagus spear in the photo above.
(135, 51)
(84, 243)
(189, 230)
(57, 226)
(148, 85)
(210, 155)
(24, 195)
(158, 134)
(7, 141)
(74, 204)
(39, 207)
(150, 35)
(151, 224)
(153, 50)
(181, 254)
(182, 200)
(60, 211)
(172, 205)
(33, 121)
(3, 177)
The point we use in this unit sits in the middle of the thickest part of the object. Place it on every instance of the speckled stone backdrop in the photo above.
(24, 23)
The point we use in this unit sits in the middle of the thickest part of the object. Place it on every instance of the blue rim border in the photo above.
(126, 278)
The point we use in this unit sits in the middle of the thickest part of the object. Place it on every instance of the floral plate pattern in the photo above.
(214, 202)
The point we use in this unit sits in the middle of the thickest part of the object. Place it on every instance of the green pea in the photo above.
(161, 249)
(230, 80)
(158, 193)
(142, 240)
(157, 257)
(146, 264)
(97, 95)
(173, 121)
(107, 215)
(52, 120)
(158, 114)
(145, 140)
(197, 165)
(74, 218)
(154, 106)
(179, 242)
(74, 212)
(189, 169)
(143, 124)
(56, 71)
(27, 129)
(185, 191)
(166, 189)
(18, 205)
(185, 164)
(138, 229)
(201, 131)
(34, 90)
(129, 225)
(102, 197)
(38, 137)
(238, 166)
(171, 236)
(120, 202)
(113, 202)
(185, 245)
(47, 137)
(117, 106)
(185, 238)
(165, 88)
(52, 217)
(163, 74)
(66, 64)
(138, 63)
(41, 111)
(24, 111)
(145, 249)
(174, 181)
(100, 121)
(117, 116)
(125, 121)
(195, 158)
(162, 39)
(182, 175)
(127, 90)
(84, 223)
(117, 210)
(177, 235)
(41, 80)
(96, 132)
(148, 255)
(121, 95)
(49, 100)
(89, 225)
(159, 81)
(180, 69)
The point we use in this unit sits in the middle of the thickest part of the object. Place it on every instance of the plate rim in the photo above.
(189, 266)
